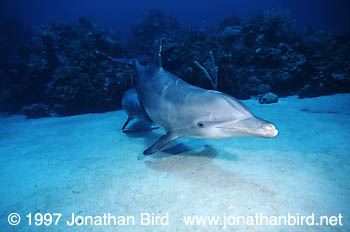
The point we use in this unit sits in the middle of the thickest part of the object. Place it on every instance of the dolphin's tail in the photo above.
(126, 123)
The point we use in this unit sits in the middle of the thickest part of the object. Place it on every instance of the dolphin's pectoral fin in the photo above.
(126, 123)
(164, 140)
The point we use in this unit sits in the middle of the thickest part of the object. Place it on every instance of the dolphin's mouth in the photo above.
(250, 127)
(270, 133)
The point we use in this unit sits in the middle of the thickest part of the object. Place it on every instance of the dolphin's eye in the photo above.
(200, 124)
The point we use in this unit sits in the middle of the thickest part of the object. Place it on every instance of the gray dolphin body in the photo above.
(182, 109)
(133, 108)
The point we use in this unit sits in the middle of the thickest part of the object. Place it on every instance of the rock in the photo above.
(268, 98)
(338, 76)
(284, 46)
(229, 33)
(36, 111)
(260, 38)
(312, 90)
(275, 52)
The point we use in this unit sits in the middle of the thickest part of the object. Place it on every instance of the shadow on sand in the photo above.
(200, 169)
(175, 148)
(194, 161)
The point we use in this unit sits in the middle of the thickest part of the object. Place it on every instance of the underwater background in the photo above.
(63, 74)
(55, 53)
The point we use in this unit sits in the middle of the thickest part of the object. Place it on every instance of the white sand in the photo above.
(85, 165)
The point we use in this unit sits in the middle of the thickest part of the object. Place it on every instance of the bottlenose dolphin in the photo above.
(133, 108)
(184, 110)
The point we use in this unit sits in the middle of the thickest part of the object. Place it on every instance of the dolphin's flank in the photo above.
(182, 109)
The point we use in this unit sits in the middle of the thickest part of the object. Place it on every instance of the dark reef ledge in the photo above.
(65, 70)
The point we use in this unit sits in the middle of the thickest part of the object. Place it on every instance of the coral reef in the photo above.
(36, 111)
(68, 68)
(263, 54)
(151, 28)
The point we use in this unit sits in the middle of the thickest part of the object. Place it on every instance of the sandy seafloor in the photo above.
(85, 165)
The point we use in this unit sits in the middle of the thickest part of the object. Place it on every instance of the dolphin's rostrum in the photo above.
(184, 110)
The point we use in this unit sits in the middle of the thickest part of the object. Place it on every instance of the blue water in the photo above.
(120, 15)
(65, 65)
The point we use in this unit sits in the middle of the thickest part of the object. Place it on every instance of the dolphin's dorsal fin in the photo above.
(158, 57)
